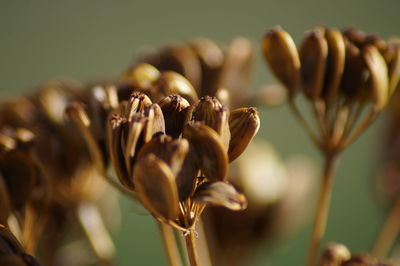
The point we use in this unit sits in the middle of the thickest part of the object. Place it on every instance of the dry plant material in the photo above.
(341, 74)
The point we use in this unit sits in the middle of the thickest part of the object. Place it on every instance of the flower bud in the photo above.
(173, 83)
(143, 76)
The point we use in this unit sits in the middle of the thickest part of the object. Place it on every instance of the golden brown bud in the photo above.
(379, 76)
(174, 108)
(143, 76)
(211, 112)
(155, 121)
(281, 55)
(173, 83)
(156, 187)
(313, 55)
(220, 194)
(137, 103)
(335, 63)
(244, 124)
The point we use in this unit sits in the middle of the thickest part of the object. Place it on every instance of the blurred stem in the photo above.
(190, 240)
(321, 215)
(170, 245)
(389, 232)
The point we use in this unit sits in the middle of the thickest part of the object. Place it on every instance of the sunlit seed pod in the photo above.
(171, 151)
(244, 124)
(137, 103)
(313, 57)
(143, 76)
(155, 121)
(174, 108)
(213, 114)
(224, 96)
(237, 68)
(379, 76)
(114, 133)
(220, 194)
(335, 63)
(7, 143)
(211, 58)
(281, 54)
(173, 83)
(208, 149)
(156, 187)
(19, 112)
(134, 139)
(335, 254)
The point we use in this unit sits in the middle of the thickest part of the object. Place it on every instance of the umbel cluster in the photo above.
(164, 133)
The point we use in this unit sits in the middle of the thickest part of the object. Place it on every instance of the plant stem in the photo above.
(389, 232)
(190, 240)
(321, 215)
(170, 245)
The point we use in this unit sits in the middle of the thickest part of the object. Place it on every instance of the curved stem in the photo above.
(321, 216)
(170, 245)
(190, 239)
(389, 232)
(304, 123)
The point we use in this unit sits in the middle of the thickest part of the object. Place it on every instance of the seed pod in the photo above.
(137, 103)
(237, 69)
(174, 109)
(173, 83)
(211, 58)
(155, 121)
(209, 150)
(171, 151)
(244, 124)
(220, 194)
(379, 76)
(156, 187)
(143, 76)
(335, 63)
(113, 140)
(5, 202)
(134, 140)
(280, 52)
(313, 55)
(209, 111)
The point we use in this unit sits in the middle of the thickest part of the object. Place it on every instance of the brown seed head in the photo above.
(174, 108)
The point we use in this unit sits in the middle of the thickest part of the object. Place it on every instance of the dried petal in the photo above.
(156, 187)
(313, 56)
(173, 83)
(281, 55)
(244, 124)
(155, 122)
(220, 194)
(209, 150)
(137, 104)
(174, 108)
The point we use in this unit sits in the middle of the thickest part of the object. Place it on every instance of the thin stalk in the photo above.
(389, 232)
(190, 239)
(322, 211)
(170, 245)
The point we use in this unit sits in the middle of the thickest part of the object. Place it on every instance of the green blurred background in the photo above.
(87, 39)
